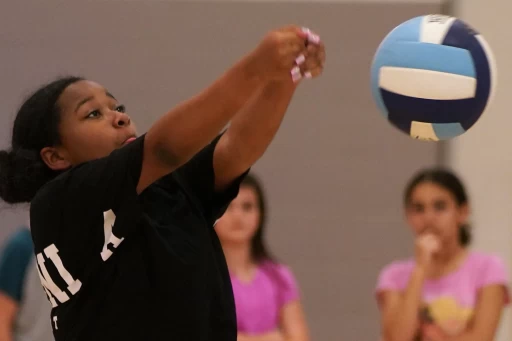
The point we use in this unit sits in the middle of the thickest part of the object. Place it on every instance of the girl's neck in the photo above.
(240, 261)
(449, 260)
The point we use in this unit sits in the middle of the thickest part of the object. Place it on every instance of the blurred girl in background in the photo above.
(445, 292)
(266, 293)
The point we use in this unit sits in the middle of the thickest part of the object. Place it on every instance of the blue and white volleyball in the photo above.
(433, 76)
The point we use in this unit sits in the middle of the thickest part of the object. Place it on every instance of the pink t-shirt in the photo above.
(258, 302)
(449, 301)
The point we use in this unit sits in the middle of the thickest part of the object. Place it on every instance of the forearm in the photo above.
(181, 133)
(254, 127)
(467, 336)
(405, 323)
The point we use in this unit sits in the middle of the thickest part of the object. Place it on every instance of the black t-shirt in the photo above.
(158, 273)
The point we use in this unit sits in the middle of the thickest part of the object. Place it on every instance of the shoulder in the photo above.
(397, 268)
(394, 276)
(488, 269)
(285, 271)
(280, 274)
(47, 205)
(283, 280)
(49, 193)
(487, 265)
(484, 259)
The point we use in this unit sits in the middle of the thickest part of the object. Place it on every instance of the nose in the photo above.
(121, 120)
(429, 218)
(430, 214)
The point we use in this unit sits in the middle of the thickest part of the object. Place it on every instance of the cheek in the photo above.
(253, 222)
(448, 224)
(86, 143)
(447, 217)
(415, 222)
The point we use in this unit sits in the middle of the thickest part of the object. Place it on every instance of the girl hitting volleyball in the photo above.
(446, 292)
(267, 297)
(123, 225)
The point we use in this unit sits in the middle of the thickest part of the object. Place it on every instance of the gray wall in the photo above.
(335, 172)
(482, 155)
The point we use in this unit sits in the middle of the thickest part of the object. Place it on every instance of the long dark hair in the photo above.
(449, 181)
(22, 170)
(259, 249)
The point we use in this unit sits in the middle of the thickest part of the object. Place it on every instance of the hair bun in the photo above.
(5, 172)
(21, 174)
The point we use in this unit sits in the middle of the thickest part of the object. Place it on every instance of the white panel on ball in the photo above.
(434, 31)
(426, 83)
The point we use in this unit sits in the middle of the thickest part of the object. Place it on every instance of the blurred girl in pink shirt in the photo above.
(266, 293)
(445, 292)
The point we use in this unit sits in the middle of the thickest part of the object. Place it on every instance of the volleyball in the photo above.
(433, 76)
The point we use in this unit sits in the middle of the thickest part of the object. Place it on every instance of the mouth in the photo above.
(128, 140)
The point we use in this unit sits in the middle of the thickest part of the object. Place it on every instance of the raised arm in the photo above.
(185, 130)
(400, 309)
(253, 128)
(110, 182)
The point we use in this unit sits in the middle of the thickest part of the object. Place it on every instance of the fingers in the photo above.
(295, 55)
(312, 66)
(321, 53)
(312, 37)
(304, 51)
(298, 66)
(309, 64)
(294, 37)
(318, 51)
(430, 243)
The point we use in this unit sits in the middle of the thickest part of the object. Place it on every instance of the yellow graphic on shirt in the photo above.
(448, 315)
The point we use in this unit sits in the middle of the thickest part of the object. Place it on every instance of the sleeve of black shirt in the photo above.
(95, 186)
(198, 177)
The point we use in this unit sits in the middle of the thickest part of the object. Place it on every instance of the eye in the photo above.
(440, 205)
(121, 108)
(93, 114)
(416, 208)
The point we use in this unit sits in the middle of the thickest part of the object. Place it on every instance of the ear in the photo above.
(54, 158)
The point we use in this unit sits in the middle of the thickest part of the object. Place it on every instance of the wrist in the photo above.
(278, 89)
